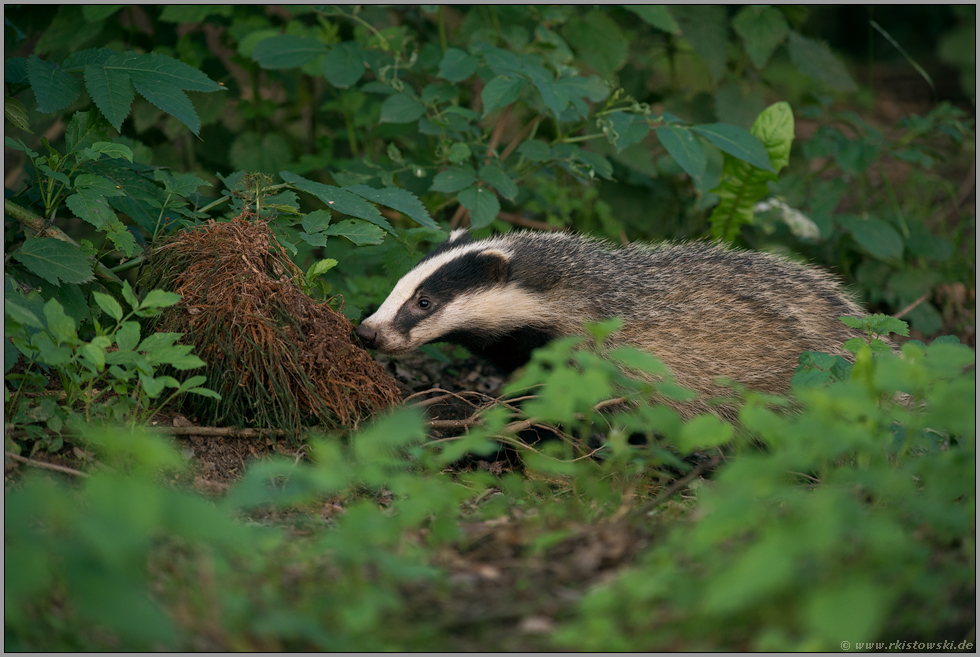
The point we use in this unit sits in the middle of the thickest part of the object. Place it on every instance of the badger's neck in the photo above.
(508, 351)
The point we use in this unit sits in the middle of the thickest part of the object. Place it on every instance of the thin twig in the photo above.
(907, 309)
(46, 466)
(679, 484)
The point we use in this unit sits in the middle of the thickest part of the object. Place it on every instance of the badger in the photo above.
(705, 310)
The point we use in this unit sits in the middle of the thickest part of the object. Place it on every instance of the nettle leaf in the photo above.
(358, 232)
(482, 204)
(91, 206)
(338, 199)
(496, 177)
(457, 65)
(874, 235)
(122, 239)
(53, 88)
(501, 91)
(453, 179)
(287, 51)
(762, 30)
(401, 108)
(55, 260)
(684, 148)
(111, 91)
(397, 199)
(736, 142)
(658, 16)
(344, 65)
(817, 61)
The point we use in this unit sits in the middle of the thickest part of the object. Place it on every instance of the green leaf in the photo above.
(846, 608)
(321, 267)
(159, 299)
(627, 129)
(401, 108)
(703, 432)
(495, 176)
(875, 236)
(344, 65)
(736, 142)
(128, 336)
(171, 100)
(598, 41)
(92, 206)
(453, 179)
(16, 113)
(21, 314)
(111, 91)
(94, 355)
(53, 88)
(457, 65)
(268, 152)
(112, 150)
(706, 28)
(83, 131)
(96, 185)
(535, 150)
(54, 260)
(338, 200)
(762, 30)
(109, 305)
(397, 199)
(316, 221)
(287, 51)
(684, 148)
(482, 204)
(815, 60)
(500, 92)
(95, 13)
(459, 152)
(658, 16)
(599, 165)
(205, 392)
(358, 232)
(60, 325)
(775, 128)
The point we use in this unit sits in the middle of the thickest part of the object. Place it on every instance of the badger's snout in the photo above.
(368, 335)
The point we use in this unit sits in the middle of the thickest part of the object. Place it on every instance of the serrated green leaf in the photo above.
(21, 314)
(77, 61)
(111, 91)
(397, 199)
(453, 179)
(482, 204)
(344, 65)
(159, 299)
(54, 260)
(658, 16)
(500, 92)
(96, 184)
(736, 142)
(358, 232)
(128, 336)
(684, 148)
(16, 113)
(53, 88)
(83, 131)
(457, 65)
(153, 386)
(122, 238)
(495, 176)
(59, 325)
(321, 267)
(112, 150)
(316, 221)
(91, 206)
(401, 108)
(109, 305)
(762, 30)
(94, 355)
(171, 100)
(287, 51)
(338, 199)
(459, 152)
(775, 128)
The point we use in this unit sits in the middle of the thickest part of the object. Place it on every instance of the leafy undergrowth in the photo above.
(849, 518)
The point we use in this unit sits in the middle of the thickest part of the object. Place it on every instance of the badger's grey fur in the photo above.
(705, 310)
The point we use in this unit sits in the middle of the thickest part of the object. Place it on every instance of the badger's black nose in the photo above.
(368, 335)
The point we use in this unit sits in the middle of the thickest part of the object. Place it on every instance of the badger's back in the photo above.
(705, 310)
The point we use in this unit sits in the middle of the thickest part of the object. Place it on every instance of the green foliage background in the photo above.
(362, 134)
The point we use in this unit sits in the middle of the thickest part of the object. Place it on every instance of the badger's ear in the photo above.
(494, 265)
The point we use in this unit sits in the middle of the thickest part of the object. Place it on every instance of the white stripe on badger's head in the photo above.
(462, 286)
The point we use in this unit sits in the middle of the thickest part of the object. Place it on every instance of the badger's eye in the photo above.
(423, 303)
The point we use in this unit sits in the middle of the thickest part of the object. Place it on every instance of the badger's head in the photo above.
(463, 292)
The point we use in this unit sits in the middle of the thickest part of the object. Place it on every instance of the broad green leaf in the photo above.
(736, 142)
(627, 129)
(128, 336)
(111, 91)
(482, 204)
(535, 150)
(815, 60)
(684, 148)
(598, 41)
(454, 179)
(94, 355)
(323, 266)
(53, 88)
(703, 432)
(21, 314)
(401, 108)
(153, 386)
(499, 180)
(338, 200)
(122, 238)
(555, 97)
(762, 30)
(287, 51)
(316, 221)
(60, 325)
(875, 236)
(457, 65)
(96, 185)
(775, 128)
(459, 152)
(83, 131)
(80, 59)
(109, 305)
(157, 69)
(397, 199)
(112, 150)
(344, 65)
(15, 112)
(54, 260)
(358, 232)
(171, 100)
(92, 206)
(159, 299)
(158, 342)
(600, 166)
(706, 28)
(658, 16)
(500, 92)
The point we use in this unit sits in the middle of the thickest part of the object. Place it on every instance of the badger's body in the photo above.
(705, 310)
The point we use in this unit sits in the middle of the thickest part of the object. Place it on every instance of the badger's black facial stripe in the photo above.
(451, 243)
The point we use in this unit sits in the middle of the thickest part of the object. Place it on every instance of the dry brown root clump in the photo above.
(277, 358)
